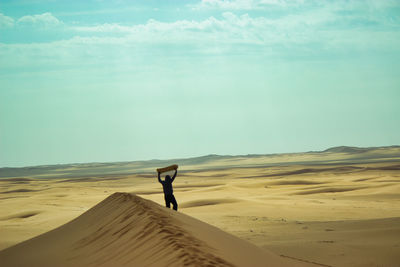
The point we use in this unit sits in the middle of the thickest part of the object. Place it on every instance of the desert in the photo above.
(338, 207)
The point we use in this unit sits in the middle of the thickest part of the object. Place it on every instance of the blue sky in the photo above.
(86, 81)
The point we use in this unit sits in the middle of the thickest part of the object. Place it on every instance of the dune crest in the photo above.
(126, 230)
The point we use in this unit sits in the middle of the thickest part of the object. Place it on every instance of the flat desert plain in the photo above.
(339, 207)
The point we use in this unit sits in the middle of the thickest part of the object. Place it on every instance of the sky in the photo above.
(115, 80)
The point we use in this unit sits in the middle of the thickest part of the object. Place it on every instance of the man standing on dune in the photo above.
(168, 190)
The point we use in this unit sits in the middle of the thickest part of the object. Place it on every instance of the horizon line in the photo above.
(207, 155)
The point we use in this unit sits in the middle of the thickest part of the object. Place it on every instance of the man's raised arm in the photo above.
(173, 177)
(159, 179)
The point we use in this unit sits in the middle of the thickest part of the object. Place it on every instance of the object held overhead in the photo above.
(169, 168)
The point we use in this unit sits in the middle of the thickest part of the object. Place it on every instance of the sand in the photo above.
(335, 208)
(126, 230)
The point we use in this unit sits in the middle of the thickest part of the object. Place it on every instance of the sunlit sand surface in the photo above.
(336, 208)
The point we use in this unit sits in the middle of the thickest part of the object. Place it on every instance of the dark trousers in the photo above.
(170, 199)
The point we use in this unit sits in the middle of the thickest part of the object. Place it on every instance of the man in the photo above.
(168, 191)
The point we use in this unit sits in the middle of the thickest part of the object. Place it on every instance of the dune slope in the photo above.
(126, 230)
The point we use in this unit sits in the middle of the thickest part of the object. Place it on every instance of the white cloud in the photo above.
(244, 4)
(321, 28)
(227, 4)
(5, 21)
(307, 34)
(285, 4)
(106, 27)
(230, 29)
(42, 20)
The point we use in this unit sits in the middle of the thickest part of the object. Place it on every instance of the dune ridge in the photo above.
(126, 230)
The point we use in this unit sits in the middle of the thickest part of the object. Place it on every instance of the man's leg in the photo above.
(167, 201)
(173, 200)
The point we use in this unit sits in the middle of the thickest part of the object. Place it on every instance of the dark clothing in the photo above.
(168, 191)
(167, 187)
(170, 199)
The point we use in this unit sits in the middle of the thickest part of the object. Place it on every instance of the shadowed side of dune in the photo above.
(294, 182)
(207, 202)
(329, 190)
(23, 190)
(20, 215)
(126, 230)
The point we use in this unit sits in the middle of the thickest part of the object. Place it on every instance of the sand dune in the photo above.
(126, 230)
(294, 182)
(197, 185)
(21, 215)
(206, 202)
(146, 192)
(23, 190)
(16, 180)
(328, 190)
(210, 162)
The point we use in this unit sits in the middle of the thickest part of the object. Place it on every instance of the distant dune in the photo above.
(352, 149)
(117, 170)
(126, 230)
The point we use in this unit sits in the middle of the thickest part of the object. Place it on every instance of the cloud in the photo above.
(244, 4)
(317, 26)
(321, 32)
(229, 29)
(271, 5)
(301, 35)
(5, 21)
(43, 20)
(226, 4)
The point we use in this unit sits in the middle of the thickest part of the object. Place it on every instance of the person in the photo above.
(168, 190)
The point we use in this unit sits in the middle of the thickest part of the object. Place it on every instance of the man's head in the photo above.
(168, 178)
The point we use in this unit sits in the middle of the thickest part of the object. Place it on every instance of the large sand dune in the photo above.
(126, 230)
